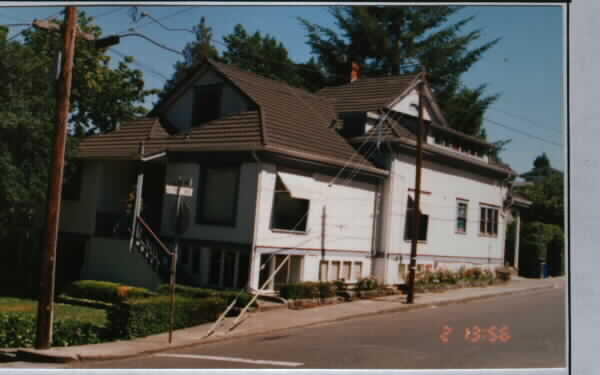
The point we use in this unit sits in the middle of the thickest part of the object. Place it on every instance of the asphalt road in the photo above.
(530, 332)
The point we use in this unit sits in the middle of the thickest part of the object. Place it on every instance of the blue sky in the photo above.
(525, 68)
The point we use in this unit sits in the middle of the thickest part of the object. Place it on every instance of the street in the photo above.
(521, 331)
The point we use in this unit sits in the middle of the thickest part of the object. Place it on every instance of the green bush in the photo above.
(367, 283)
(308, 289)
(503, 274)
(243, 298)
(18, 331)
(148, 316)
(105, 291)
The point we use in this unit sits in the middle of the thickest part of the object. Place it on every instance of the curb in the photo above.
(33, 355)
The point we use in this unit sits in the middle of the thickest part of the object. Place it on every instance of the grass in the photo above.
(61, 311)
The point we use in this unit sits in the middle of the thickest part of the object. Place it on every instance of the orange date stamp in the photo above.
(475, 334)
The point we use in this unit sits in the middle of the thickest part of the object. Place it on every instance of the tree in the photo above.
(101, 97)
(194, 52)
(396, 40)
(263, 55)
(541, 161)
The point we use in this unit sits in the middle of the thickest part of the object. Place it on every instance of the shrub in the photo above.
(105, 291)
(503, 274)
(367, 283)
(243, 298)
(18, 331)
(148, 316)
(308, 289)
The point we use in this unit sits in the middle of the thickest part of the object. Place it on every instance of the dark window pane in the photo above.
(195, 260)
(207, 104)
(408, 227)
(289, 213)
(215, 267)
(423, 225)
(72, 181)
(219, 195)
(243, 269)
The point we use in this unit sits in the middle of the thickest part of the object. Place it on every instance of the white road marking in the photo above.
(231, 359)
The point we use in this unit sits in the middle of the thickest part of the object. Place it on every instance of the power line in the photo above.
(158, 44)
(522, 132)
(519, 117)
(143, 66)
(112, 11)
(163, 18)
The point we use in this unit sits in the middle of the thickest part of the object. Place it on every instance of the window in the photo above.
(461, 217)
(289, 213)
(195, 261)
(207, 104)
(215, 267)
(402, 271)
(488, 221)
(217, 201)
(357, 270)
(323, 267)
(423, 222)
(334, 271)
(346, 275)
(72, 181)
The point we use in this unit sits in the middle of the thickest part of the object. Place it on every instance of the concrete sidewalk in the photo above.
(280, 319)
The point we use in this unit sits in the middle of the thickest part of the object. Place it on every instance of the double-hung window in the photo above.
(409, 223)
(488, 221)
(461, 216)
(217, 201)
(290, 213)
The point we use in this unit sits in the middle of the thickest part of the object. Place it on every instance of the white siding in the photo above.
(180, 112)
(407, 105)
(446, 184)
(80, 216)
(243, 229)
(348, 214)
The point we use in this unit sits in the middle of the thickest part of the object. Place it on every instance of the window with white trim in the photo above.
(461, 216)
(289, 212)
(488, 221)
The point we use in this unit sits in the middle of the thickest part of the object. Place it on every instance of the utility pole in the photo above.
(416, 212)
(48, 267)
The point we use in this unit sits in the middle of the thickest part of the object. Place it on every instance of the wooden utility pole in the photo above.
(48, 267)
(416, 212)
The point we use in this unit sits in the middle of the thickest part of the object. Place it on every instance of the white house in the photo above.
(326, 178)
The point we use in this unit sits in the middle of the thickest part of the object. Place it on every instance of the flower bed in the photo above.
(444, 279)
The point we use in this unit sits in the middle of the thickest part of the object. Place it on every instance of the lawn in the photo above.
(61, 311)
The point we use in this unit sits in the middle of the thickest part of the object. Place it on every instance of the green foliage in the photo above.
(443, 279)
(105, 291)
(308, 289)
(18, 331)
(503, 274)
(148, 316)
(367, 283)
(382, 40)
(546, 192)
(541, 243)
(101, 97)
(243, 298)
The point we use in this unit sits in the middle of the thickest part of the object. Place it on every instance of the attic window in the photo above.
(289, 213)
(207, 103)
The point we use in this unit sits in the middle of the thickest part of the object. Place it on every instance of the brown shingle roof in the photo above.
(367, 94)
(289, 121)
(123, 142)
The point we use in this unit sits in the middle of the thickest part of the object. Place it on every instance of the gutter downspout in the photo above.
(256, 217)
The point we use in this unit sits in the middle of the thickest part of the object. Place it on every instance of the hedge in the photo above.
(193, 292)
(105, 291)
(147, 316)
(18, 331)
(308, 290)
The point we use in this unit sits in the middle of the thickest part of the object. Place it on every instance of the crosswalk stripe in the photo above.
(230, 359)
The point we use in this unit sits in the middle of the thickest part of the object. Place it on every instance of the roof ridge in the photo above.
(261, 77)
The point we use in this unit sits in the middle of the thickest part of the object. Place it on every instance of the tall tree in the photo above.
(101, 97)
(194, 52)
(388, 40)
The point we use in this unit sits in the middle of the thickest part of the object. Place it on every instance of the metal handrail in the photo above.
(153, 235)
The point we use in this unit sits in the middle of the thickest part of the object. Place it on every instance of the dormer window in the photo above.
(207, 103)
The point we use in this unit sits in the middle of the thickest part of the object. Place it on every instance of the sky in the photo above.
(525, 67)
